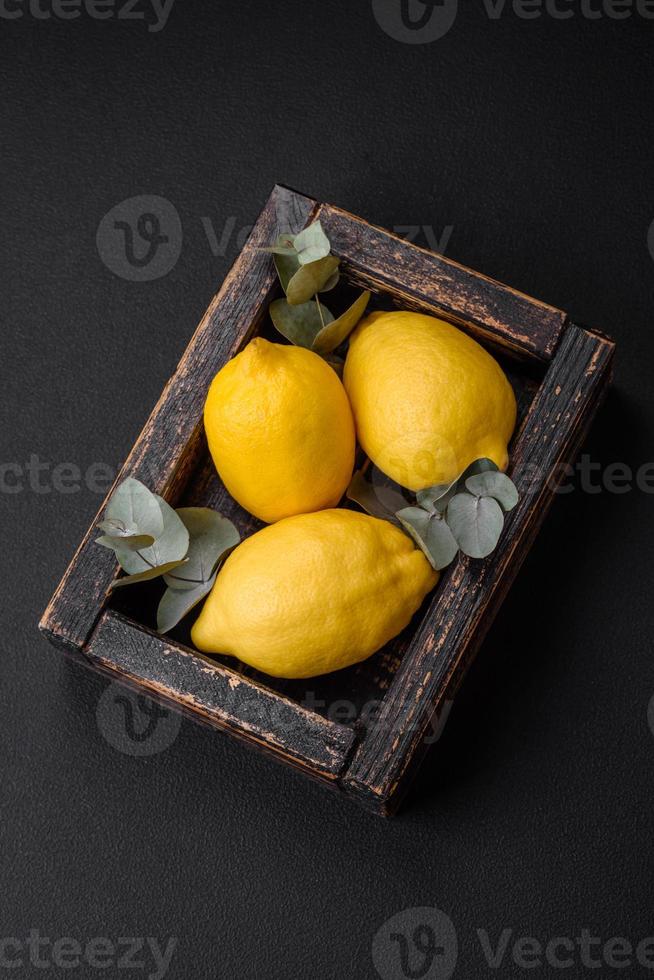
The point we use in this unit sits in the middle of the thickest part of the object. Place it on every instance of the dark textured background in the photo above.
(533, 140)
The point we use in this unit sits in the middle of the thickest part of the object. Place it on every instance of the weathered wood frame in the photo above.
(372, 766)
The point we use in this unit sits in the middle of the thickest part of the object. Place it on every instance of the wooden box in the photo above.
(368, 751)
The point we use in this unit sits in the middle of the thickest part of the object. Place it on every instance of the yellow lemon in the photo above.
(280, 430)
(314, 593)
(427, 399)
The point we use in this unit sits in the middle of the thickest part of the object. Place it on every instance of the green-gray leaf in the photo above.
(431, 534)
(310, 279)
(134, 505)
(378, 501)
(496, 485)
(211, 536)
(133, 543)
(436, 499)
(117, 528)
(145, 575)
(312, 243)
(335, 333)
(331, 282)
(286, 265)
(476, 523)
(176, 603)
(170, 546)
(482, 465)
(299, 324)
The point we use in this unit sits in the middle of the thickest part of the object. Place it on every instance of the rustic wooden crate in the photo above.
(560, 372)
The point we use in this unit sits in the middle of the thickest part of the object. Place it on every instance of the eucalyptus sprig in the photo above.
(306, 270)
(466, 515)
(150, 540)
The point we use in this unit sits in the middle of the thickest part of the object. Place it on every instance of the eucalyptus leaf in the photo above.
(335, 333)
(147, 574)
(211, 536)
(299, 324)
(331, 282)
(287, 265)
(278, 250)
(497, 485)
(133, 543)
(176, 603)
(310, 279)
(435, 499)
(311, 244)
(132, 562)
(483, 465)
(476, 523)
(170, 546)
(119, 529)
(377, 501)
(431, 534)
(133, 505)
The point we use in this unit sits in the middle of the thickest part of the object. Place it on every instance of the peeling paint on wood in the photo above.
(236, 704)
(381, 261)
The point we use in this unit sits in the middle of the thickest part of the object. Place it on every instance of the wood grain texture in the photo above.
(220, 697)
(418, 278)
(168, 448)
(470, 593)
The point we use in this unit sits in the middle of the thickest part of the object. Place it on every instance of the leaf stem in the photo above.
(319, 309)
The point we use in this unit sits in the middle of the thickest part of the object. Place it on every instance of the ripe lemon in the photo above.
(314, 593)
(427, 399)
(280, 430)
